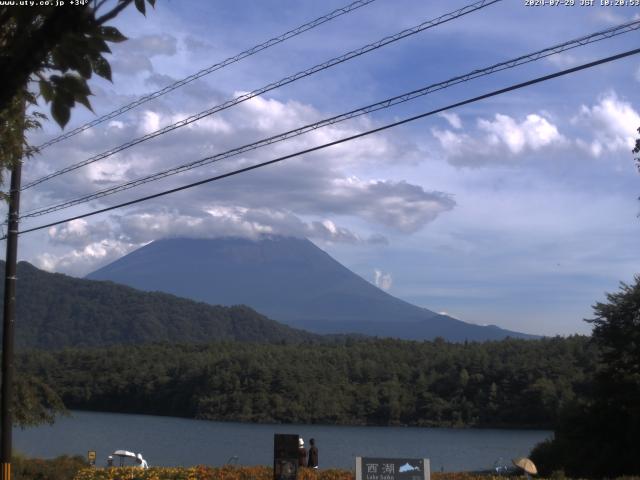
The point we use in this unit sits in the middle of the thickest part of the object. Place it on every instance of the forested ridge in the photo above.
(56, 311)
(509, 383)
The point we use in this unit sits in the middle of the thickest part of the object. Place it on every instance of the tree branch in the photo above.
(99, 4)
(113, 13)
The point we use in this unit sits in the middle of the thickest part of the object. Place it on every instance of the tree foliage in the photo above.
(58, 47)
(35, 402)
(14, 124)
(598, 436)
(510, 383)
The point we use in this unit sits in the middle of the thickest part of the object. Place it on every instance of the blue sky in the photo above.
(519, 211)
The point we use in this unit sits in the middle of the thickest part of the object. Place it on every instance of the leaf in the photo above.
(101, 67)
(74, 85)
(84, 100)
(112, 34)
(60, 112)
(152, 3)
(97, 45)
(61, 92)
(82, 64)
(84, 67)
(140, 6)
(60, 59)
(46, 90)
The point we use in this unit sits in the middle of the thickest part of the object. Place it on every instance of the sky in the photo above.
(520, 210)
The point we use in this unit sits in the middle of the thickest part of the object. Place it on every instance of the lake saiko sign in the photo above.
(368, 468)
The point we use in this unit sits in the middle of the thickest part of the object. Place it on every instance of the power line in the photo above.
(389, 102)
(343, 140)
(206, 71)
(272, 86)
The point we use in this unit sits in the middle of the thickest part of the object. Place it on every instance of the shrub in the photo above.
(60, 468)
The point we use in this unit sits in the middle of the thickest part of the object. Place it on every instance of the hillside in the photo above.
(290, 280)
(56, 311)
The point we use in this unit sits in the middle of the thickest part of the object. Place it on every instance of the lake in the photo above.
(169, 441)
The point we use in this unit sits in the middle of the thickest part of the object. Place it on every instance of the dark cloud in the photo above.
(152, 45)
(196, 45)
(134, 56)
(377, 239)
(131, 64)
(158, 80)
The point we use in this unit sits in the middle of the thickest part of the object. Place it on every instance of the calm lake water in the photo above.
(168, 441)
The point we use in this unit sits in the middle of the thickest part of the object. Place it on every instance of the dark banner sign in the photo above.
(368, 468)
(285, 456)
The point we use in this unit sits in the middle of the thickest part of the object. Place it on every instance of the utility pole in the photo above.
(6, 410)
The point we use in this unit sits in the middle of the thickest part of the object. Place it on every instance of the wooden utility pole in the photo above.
(6, 410)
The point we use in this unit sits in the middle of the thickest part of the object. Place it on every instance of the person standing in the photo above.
(142, 463)
(302, 453)
(313, 454)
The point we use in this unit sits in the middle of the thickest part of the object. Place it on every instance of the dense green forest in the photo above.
(55, 311)
(512, 383)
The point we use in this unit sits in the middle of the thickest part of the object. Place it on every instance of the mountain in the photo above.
(288, 279)
(56, 311)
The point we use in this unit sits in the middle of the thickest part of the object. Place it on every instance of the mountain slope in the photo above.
(56, 311)
(288, 279)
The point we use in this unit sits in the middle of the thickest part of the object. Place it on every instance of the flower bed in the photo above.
(251, 473)
(204, 473)
(235, 473)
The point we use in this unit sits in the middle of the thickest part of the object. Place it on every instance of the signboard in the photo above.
(91, 457)
(285, 456)
(368, 468)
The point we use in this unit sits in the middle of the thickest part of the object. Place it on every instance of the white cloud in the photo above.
(77, 232)
(499, 139)
(314, 185)
(74, 228)
(382, 280)
(83, 260)
(562, 60)
(612, 123)
(534, 132)
(605, 15)
(452, 118)
(399, 205)
(222, 220)
(96, 244)
(311, 196)
(150, 122)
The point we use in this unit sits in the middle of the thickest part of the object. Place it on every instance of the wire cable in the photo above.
(342, 140)
(206, 71)
(387, 103)
(447, 17)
